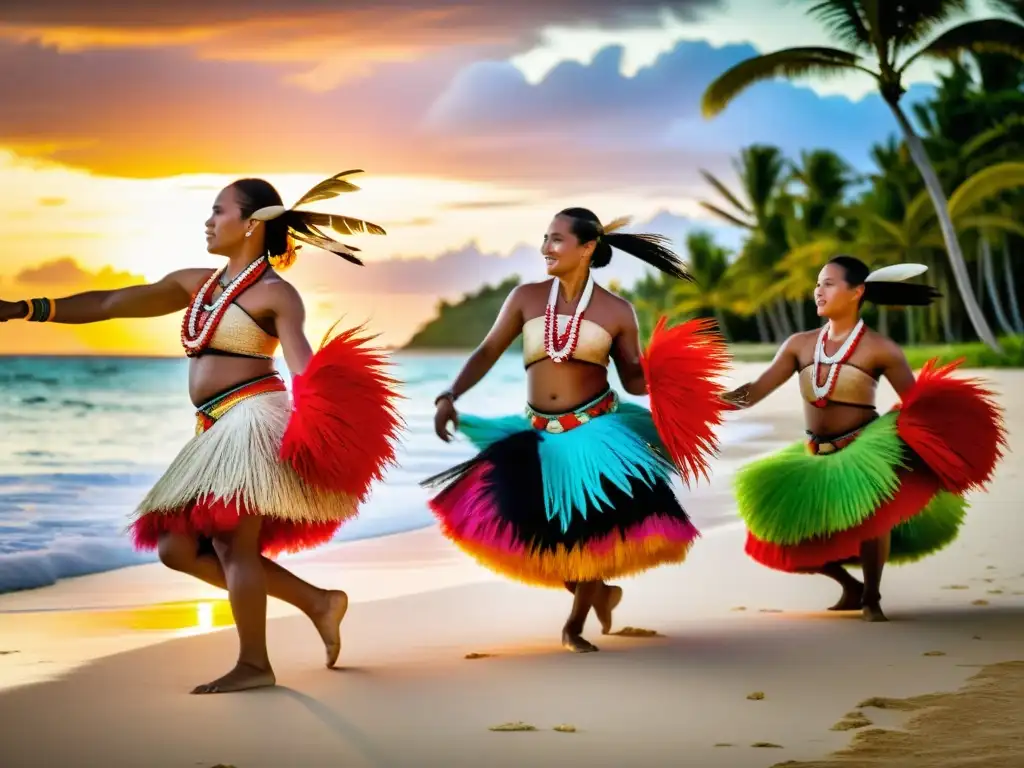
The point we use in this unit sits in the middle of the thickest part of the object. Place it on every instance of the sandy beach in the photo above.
(746, 669)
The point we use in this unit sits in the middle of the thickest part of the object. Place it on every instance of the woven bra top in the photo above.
(853, 386)
(239, 335)
(594, 345)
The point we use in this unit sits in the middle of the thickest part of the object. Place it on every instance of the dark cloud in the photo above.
(619, 121)
(163, 112)
(475, 15)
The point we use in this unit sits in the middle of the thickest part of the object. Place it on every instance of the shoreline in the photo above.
(746, 670)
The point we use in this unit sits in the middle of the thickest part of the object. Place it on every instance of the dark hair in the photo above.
(652, 249)
(882, 292)
(305, 226)
(253, 194)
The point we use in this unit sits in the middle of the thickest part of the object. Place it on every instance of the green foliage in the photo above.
(464, 325)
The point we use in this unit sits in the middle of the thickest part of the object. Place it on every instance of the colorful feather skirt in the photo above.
(585, 495)
(905, 474)
(303, 463)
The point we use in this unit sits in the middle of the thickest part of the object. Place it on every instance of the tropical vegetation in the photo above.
(946, 189)
(883, 39)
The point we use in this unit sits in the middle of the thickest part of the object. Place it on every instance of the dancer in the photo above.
(576, 491)
(865, 489)
(264, 473)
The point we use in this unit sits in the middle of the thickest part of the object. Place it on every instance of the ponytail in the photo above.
(649, 248)
(885, 287)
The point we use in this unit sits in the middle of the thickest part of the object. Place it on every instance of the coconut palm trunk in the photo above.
(956, 257)
(1011, 288)
(992, 286)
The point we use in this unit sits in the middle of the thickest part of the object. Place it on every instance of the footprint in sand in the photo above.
(478, 655)
(756, 696)
(565, 728)
(956, 586)
(979, 602)
(765, 745)
(518, 725)
(723, 744)
(934, 653)
(637, 632)
(739, 608)
(770, 610)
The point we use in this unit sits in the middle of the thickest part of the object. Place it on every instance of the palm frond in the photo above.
(984, 186)
(788, 63)
(724, 191)
(725, 215)
(844, 21)
(984, 36)
(902, 24)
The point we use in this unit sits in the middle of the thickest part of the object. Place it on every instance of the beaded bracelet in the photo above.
(41, 310)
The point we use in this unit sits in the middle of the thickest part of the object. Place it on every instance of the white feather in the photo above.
(896, 273)
(269, 213)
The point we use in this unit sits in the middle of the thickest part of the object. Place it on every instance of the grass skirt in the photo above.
(904, 474)
(303, 463)
(591, 502)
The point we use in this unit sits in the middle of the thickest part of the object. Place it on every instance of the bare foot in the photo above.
(852, 599)
(603, 608)
(873, 612)
(575, 643)
(328, 624)
(242, 678)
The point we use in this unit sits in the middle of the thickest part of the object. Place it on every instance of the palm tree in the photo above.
(710, 291)
(761, 170)
(887, 30)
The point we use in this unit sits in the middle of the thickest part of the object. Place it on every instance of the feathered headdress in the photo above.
(308, 226)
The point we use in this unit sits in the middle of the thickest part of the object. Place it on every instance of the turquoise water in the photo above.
(84, 438)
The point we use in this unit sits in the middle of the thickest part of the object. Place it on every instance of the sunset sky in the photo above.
(474, 121)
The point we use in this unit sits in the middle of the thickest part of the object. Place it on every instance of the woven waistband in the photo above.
(608, 402)
(213, 409)
(822, 446)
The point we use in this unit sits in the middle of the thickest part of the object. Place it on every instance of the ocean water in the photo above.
(83, 439)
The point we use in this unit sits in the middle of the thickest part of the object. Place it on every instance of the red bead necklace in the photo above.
(203, 315)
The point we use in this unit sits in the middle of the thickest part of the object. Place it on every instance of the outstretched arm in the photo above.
(782, 367)
(626, 355)
(170, 294)
(506, 328)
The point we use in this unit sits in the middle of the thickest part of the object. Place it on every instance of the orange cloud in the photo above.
(333, 45)
(63, 277)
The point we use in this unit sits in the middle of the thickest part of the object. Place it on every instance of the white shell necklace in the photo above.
(834, 361)
(572, 332)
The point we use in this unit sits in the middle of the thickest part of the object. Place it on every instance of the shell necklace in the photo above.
(835, 362)
(560, 346)
(196, 335)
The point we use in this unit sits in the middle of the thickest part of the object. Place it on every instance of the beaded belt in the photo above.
(209, 412)
(563, 422)
(822, 446)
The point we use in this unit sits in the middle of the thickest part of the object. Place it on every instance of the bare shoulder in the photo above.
(800, 341)
(278, 293)
(882, 346)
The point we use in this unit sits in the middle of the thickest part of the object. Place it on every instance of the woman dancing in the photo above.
(865, 489)
(264, 473)
(576, 491)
